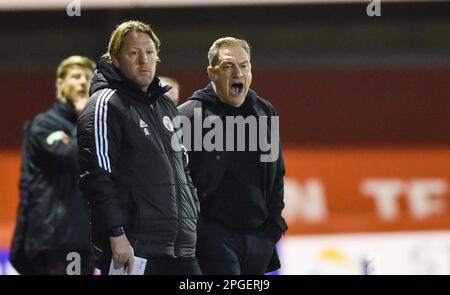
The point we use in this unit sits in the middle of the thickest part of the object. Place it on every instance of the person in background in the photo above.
(142, 199)
(52, 218)
(241, 196)
(174, 92)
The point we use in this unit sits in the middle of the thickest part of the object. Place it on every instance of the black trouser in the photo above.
(165, 266)
(221, 250)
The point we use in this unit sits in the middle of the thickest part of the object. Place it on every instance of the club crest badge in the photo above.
(167, 123)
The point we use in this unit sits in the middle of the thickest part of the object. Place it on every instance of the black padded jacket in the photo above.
(52, 214)
(130, 173)
(208, 167)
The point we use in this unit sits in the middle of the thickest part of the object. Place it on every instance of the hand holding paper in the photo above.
(122, 252)
(138, 267)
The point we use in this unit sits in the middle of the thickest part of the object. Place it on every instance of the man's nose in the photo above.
(238, 72)
(84, 80)
(143, 59)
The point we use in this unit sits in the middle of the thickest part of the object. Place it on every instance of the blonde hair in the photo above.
(118, 36)
(74, 60)
(213, 53)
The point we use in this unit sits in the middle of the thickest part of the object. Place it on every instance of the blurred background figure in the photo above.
(52, 216)
(174, 93)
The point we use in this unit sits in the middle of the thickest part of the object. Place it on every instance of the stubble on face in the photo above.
(137, 59)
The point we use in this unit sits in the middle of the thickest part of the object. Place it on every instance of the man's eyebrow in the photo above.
(218, 65)
(139, 47)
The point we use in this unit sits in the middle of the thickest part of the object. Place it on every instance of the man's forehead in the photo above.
(133, 39)
(233, 54)
(78, 68)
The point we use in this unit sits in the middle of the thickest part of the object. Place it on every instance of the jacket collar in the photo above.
(65, 109)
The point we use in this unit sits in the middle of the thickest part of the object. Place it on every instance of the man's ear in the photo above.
(58, 85)
(58, 82)
(211, 75)
(115, 61)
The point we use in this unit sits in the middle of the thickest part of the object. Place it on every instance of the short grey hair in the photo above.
(213, 53)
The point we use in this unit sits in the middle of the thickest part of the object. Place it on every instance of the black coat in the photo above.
(129, 171)
(208, 168)
(52, 213)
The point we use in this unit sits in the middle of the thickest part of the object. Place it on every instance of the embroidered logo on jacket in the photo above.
(144, 125)
(167, 123)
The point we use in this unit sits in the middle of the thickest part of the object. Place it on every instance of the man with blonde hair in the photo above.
(141, 197)
(241, 195)
(52, 219)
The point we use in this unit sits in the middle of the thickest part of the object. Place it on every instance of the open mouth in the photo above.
(237, 88)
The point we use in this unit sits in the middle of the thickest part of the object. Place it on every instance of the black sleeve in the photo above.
(47, 148)
(187, 109)
(99, 140)
(276, 225)
(189, 178)
(187, 158)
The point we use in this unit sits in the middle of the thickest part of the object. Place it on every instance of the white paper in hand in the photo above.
(138, 267)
